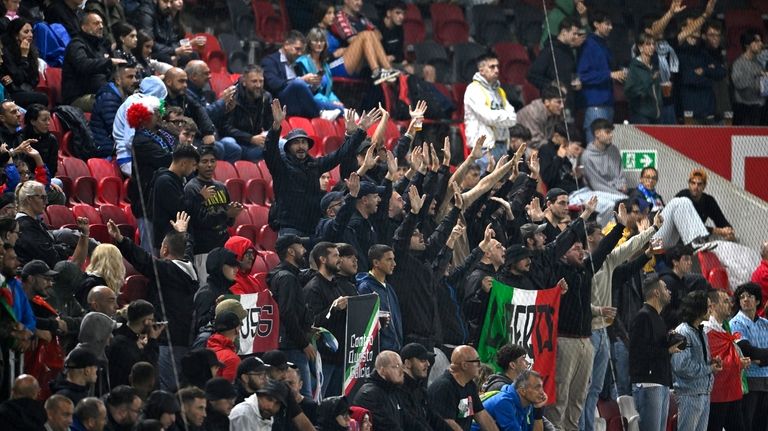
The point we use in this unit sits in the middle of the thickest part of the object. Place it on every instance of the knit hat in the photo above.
(80, 358)
(219, 388)
(226, 321)
(233, 306)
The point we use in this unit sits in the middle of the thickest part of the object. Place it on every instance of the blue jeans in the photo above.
(290, 231)
(668, 115)
(593, 113)
(601, 344)
(227, 149)
(166, 372)
(252, 153)
(621, 368)
(302, 362)
(302, 102)
(653, 407)
(693, 412)
(497, 151)
(333, 379)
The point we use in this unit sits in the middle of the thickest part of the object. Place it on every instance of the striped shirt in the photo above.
(756, 332)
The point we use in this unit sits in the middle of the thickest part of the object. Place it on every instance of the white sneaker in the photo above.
(330, 114)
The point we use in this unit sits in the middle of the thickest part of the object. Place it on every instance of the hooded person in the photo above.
(333, 414)
(95, 335)
(63, 300)
(121, 131)
(222, 266)
(245, 252)
(197, 367)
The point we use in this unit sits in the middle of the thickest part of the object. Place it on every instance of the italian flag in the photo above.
(527, 318)
(362, 324)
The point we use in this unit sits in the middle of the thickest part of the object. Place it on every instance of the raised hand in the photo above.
(485, 244)
(419, 110)
(350, 121)
(658, 220)
(369, 118)
(417, 158)
(113, 231)
(644, 224)
(370, 158)
(391, 164)
(458, 200)
(447, 152)
(416, 201)
(622, 216)
(278, 114)
(589, 208)
(456, 233)
(353, 184)
(676, 7)
(477, 150)
(181, 223)
(533, 164)
(434, 160)
(534, 210)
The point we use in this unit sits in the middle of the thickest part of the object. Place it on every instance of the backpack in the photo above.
(51, 41)
(81, 144)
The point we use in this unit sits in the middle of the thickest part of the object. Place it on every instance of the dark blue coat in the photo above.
(275, 78)
(108, 100)
(696, 93)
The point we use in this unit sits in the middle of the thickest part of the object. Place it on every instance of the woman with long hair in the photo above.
(643, 87)
(107, 264)
(126, 40)
(315, 61)
(142, 51)
(19, 71)
(37, 126)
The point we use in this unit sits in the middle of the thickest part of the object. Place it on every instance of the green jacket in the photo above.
(643, 90)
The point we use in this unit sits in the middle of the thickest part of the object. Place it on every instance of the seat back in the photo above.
(59, 215)
(87, 211)
(414, 28)
(224, 171)
(76, 168)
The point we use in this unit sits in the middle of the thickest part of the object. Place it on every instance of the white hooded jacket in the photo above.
(487, 112)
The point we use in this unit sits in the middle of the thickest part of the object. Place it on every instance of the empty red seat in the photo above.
(332, 143)
(135, 288)
(513, 62)
(265, 174)
(259, 265)
(100, 233)
(247, 170)
(271, 258)
(248, 231)
(302, 123)
(87, 211)
(267, 238)
(60, 216)
(224, 171)
(450, 27)
(53, 83)
(84, 185)
(323, 128)
(414, 28)
(100, 168)
(126, 224)
(55, 127)
(269, 25)
(220, 81)
(256, 192)
(236, 189)
(259, 215)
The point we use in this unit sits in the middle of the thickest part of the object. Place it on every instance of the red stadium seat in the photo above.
(265, 174)
(259, 265)
(609, 410)
(270, 257)
(84, 185)
(87, 211)
(513, 62)
(332, 143)
(220, 81)
(302, 123)
(126, 225)
(235, 188)
(60, 216)
(247, 171)
(450, 27)
(256, 192)
(269, 25)
(259, 215)
(414, 28)
(317, 149)
(248, 231)
(323, 128)
(101, 168)
(224, 171)
(135, 288)
(53, 83)
(56, 128)
(243, 218)
(267, 238)
(100, 233)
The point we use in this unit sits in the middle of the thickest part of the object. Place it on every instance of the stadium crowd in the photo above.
(135, 314)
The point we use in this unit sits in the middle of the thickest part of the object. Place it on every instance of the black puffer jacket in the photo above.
(383, 400)
(320, 293)
(249, 117)
(166, 31)
(87, 67)
(297, 182)
(295, 319)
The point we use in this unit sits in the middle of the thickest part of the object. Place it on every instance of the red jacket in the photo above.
(760, 277)
(226, 353)
(245, 282)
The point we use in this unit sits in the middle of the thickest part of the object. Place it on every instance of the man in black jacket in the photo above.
(381, 394)
(251, 117)
(156, 18)
(123, 408)
(174, 287)
(296, 174)
(327, 302)
(295, 317)
(167, 196)
(87, 65)
(221, 268)
(478, 285)
(650, 370)
(413, 392)
(67, 13)
(543, 72)
(125, 349)
(175, 81)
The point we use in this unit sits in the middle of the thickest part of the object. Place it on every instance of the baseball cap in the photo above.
(37, 267)
(552, 194)
(226, 321)
(231, 305)
(277, 359)
(328, 199)
(516, 253)
(286, 241)
(416, 350)
(219, 388)
(278, 390)
(251, 365)
(529, 229)
(369, 188)
(80, 358)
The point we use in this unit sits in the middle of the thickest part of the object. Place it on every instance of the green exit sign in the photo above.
(635, 160)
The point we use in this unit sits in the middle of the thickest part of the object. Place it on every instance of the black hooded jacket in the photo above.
(327, 411)
(205, 298)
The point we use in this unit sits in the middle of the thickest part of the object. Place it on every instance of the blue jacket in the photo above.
(594, 70)
(275, 79)
(325, 92)
(391, 336)
(696, 91)
(507, 411)
(691, 367)
(108, 101)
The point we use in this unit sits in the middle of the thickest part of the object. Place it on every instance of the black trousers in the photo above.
(726, 415)
(755, 405)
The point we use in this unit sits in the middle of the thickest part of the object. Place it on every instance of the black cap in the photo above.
(552, 194)
(219, 388)
(328, 199)
(277, 390)
(286, 241)
(80, 358)
(416, 350)
(37, 267)
(251, 365)
(369, 188)
(7, 199)
(226, 321)
(138, 309)
(516, 253)
(277, 359)
(529, 229)
(363, 147)
(296, 134)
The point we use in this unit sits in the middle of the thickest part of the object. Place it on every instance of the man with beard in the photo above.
(134, 342)
(108, 100)
(221, 398)
(123, 408)
(295, 317)
(256, 412)
(327, 302)
(478, 286)
(419, 416)
(251, 375)
(211, 209)
(251, 116)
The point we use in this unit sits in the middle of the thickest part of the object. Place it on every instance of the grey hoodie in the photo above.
(95, 333)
